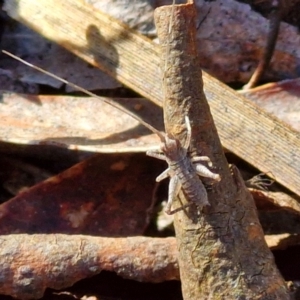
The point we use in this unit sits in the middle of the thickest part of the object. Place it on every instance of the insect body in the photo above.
(183, 171)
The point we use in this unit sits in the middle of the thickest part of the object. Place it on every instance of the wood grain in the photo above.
(244, 129)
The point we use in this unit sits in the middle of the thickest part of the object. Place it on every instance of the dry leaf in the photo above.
(231, 38)
(282, 241)
(280, 99)
(80, 123)
(39, 51)
(105, 195)
(277, 199)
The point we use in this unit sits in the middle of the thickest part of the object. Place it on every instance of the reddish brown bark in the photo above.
(32, 263)
(222, 251)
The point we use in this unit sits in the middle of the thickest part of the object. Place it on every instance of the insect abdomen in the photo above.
(191, 184)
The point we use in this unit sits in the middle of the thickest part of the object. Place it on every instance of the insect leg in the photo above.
(188, 133)
(163, 175)
(202, 158)
(205, 172)
(174, 187)
(156, 154)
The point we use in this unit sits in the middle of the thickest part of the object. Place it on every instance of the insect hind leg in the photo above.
(202, 158)
(163, 175)
(174, 187)
(188, 133)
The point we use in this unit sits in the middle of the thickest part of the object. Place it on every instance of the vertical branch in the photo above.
(222, 251)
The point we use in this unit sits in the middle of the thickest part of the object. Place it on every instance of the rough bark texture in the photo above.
(222, 251)
(32, 263)
(24, 259)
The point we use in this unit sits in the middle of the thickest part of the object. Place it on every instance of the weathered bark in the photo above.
(222, 251)
(32, 263)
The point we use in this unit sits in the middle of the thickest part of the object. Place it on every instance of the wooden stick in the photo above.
(62, 255)
(222, 250)
(32, 263)
(245, 129)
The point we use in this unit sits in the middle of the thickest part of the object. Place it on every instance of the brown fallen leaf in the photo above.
(232, 36)
(32, 263)
(105, 195)
(282, 241)
(280, 99)
(279, 199)
(81, 123)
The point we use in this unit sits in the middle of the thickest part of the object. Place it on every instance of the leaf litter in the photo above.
(69, 202)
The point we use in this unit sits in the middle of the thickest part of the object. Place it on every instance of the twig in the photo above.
(222, 252)
(32, 263)
(264, 61)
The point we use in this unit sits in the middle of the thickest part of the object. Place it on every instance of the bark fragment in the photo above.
(32, 263)
(222, 251)
(69, 258)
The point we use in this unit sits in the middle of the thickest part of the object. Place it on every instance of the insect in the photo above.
(182, 169)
